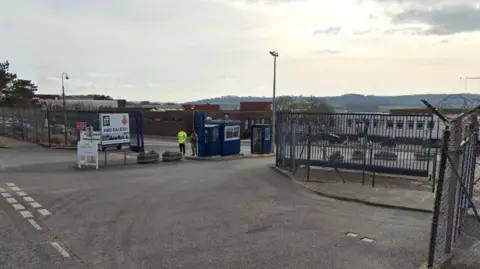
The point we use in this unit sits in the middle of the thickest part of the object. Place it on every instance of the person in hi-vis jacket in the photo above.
(182, 139)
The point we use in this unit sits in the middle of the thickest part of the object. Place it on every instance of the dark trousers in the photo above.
(182, 148)
(194, 149)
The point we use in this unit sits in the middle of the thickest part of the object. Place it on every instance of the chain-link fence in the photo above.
(42, 126)
(29, 124)
(52, 128)
(454, 197)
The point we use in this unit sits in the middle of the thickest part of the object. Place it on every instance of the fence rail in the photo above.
(394, 144)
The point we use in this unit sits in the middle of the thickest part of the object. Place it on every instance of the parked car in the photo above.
(57, 128)
(334, 139)
(389, 142)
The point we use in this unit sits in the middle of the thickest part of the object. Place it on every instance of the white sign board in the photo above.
(115, 128)
(96, 136)
(87, 153)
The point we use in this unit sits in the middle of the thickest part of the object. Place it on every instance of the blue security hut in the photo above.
(230, 130)
(261, 139)
(220, 137)
(213, 144)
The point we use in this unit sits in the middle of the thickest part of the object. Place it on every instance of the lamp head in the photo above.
(274, 53)
(67, 77)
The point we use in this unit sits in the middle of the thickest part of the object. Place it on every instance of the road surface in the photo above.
(233, 214)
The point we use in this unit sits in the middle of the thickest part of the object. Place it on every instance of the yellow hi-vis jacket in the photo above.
(182, 137)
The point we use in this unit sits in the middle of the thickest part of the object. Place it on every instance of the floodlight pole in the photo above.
(64, 75)
(274, 106)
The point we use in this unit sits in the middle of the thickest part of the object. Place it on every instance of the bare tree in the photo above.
(318, 105)
(284, 103)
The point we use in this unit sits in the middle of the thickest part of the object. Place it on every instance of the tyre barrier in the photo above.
(148, 157)
(170, 156)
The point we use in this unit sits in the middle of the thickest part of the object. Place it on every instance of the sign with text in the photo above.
(87, 154)
(81, 125)
(95, 136)
(115, 128)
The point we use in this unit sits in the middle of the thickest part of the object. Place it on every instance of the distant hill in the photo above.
(367, 103)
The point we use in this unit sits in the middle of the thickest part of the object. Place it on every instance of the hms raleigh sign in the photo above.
(115, 129)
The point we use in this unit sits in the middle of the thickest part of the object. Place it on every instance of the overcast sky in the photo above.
(181, 50)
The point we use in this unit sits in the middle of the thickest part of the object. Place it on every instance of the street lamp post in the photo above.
(469, 78)
(274, 106)
(64, 75)
(466, 81)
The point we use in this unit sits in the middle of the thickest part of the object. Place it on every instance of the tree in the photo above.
(318, 105)
(21, 92)
(284, 103)
(6, 78)
(15, 91)
(101, 97)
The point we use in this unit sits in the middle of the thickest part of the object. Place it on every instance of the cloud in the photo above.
(328, 51)
(444, 20)
(406, 30)
(443, 41)
(362, 32)
(442, 17)
(328, 31)
(188, 49)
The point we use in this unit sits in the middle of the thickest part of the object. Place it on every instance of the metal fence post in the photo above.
(22, 124)
(48, 128)
(309, 153)
(292, 146)
(13, 123)
(280, 148)
(35, 116)
(473, 130)
(434, 170)
(453, 148)
(4, 118)
(438, 199)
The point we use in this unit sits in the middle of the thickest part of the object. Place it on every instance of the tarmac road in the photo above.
(234, 214)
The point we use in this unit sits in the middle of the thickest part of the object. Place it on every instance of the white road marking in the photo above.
(26, 214)
(2, 190)
(28, 199)
(12, 200)
(352, 234)
(35, 205)
(59, 248)
(368, 240)
(35, 224)
(6, 194)
(18, 206)
(44, 212)
(10, 184)
(15, 189)
(21, 193)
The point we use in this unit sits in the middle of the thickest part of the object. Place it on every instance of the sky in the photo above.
(184, 50)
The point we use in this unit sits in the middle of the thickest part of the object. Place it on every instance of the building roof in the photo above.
(409, 111)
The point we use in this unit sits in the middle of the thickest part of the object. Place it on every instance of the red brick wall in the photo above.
(169, 122)
(255, 106)
(201, 107)
(164, 123)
